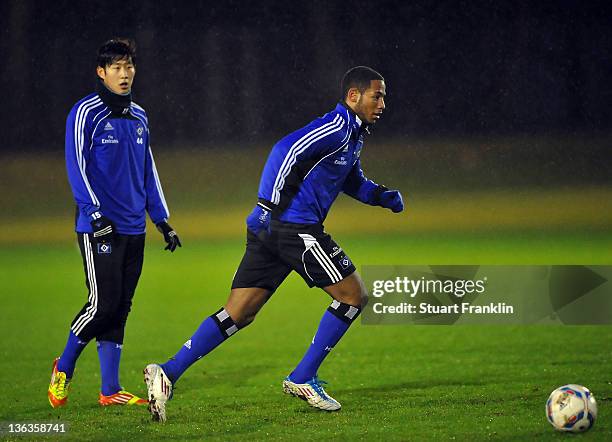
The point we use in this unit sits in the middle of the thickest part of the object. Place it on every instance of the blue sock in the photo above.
(213, 331)
(335, 322)
(109, 354)
(71, 353)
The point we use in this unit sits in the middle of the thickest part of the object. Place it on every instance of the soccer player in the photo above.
(302, 177)
(114, 181)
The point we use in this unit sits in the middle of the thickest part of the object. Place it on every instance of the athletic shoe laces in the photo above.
(317, 384)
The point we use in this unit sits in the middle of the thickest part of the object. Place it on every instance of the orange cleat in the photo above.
(58, 388)
(121, 398)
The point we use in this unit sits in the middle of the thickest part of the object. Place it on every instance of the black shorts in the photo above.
(305, 248)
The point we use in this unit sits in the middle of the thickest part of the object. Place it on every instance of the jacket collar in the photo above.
(118, 104)
(354, 119)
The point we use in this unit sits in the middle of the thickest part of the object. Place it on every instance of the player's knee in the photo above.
(359, 298)
(106, 312)
(124, 309)
(244, 304)
(353, 297)
(242, 319)
(240, 315)
(353, 293)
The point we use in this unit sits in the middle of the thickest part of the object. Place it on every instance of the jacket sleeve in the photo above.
(362, 189)
(307, 143)
(156, 202)
(77, 157)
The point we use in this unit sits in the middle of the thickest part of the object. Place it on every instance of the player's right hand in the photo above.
(103, 228)
(258, 221)
(392, 199)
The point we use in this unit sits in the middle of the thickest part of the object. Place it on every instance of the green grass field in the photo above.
(394, 382)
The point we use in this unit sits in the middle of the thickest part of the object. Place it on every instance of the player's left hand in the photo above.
(258, 221)
(170, 236)
(392, 199)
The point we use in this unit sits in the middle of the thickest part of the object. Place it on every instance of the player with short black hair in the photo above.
(302, 177)
(358, 77)
(114, 181)
(116, 49)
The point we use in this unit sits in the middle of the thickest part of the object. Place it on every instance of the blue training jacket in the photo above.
(111, 168)
(307, 169)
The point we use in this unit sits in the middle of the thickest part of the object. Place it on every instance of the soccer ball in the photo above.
(571, 408)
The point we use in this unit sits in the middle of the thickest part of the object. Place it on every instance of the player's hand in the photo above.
(392, 199)
(170, 236)
(103, 228)
(258, 221)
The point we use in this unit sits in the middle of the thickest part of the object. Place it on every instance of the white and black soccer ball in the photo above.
(571, 408)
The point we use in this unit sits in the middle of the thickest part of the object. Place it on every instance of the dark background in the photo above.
(244, 72)
(497, 132)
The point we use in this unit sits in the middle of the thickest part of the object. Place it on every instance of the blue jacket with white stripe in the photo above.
(110, 166)
(307, 169)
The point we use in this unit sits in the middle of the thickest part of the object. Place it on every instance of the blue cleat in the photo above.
(313, 393)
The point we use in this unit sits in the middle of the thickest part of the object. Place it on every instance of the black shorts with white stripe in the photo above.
(305, 248)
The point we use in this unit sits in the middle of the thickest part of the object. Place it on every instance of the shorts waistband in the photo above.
(292, 227)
